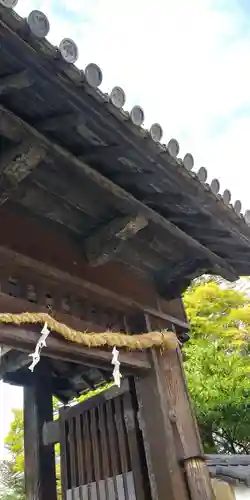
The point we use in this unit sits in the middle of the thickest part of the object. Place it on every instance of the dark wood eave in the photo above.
(85, 161)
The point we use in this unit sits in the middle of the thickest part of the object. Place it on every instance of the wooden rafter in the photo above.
(122, 199)
(102, 118)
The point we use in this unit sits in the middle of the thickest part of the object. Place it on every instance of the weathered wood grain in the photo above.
(126, 201)
(107, 241)
(40, 478)
(17, 164)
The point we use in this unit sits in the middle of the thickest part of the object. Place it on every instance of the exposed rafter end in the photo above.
(109, 239)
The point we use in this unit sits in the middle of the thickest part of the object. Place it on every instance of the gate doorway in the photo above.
(102, 452)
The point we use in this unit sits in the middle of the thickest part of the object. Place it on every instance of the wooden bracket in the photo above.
(107, 241)
(17, 164)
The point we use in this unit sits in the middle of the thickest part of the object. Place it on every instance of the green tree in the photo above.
(12, 470)
(11, 483)
(217, 364)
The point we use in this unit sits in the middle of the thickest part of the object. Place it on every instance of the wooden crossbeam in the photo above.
(17, 164)
(107, 241)
(25, 339)
(15, 82)
(71, 280)
(121, 198)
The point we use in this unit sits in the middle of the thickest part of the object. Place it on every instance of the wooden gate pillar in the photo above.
(176, 464)
(40, 476)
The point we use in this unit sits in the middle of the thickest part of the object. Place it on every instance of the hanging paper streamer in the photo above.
(40, 344)
(116, 372)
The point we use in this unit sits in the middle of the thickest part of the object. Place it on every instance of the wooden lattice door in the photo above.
(102, 455)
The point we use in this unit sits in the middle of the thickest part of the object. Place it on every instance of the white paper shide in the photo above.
(116, 372)
(40, 344)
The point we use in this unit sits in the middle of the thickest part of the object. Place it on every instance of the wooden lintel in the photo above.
(17, 164)
(25, 339)
(14, 82)
(13, 260)
(121, 198)
(107, 241)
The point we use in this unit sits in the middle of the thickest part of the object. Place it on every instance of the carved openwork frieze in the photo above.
(56, 299)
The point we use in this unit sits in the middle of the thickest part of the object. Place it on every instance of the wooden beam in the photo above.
(17, 164)
(15, 82)
(103, 116)
(73, 279)
(174, 281)
(108, 240)
(25, 339)
(121, 198)
(40, 476)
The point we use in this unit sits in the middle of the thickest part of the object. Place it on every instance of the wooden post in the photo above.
(165, 473)
(171, 437)
(40, 477)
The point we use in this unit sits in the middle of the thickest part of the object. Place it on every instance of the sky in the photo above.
(187, 63)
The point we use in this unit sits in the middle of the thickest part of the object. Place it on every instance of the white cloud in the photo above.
(184, 62)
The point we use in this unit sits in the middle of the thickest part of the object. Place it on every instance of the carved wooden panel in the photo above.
(55, 300)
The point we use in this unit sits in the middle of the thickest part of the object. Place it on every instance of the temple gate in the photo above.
(102, 230)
